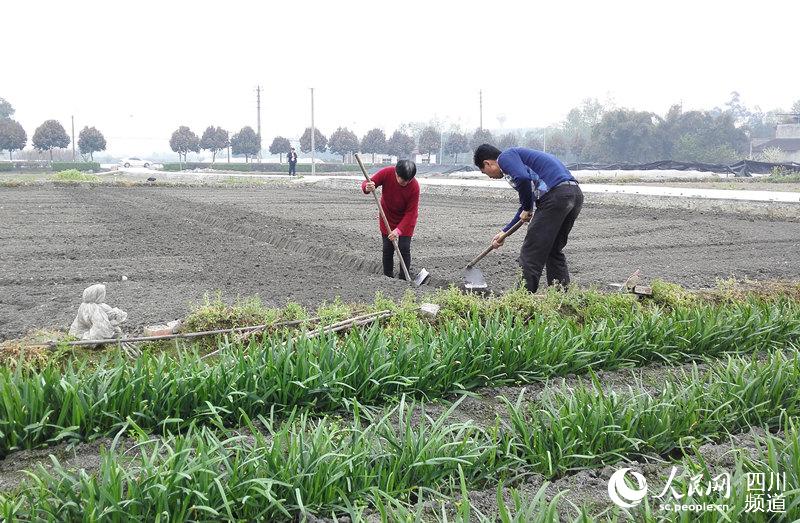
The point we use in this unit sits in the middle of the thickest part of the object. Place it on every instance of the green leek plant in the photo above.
(372, 366)
(588, 427)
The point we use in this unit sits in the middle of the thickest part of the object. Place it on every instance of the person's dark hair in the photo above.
(406, 169)
(485, 152)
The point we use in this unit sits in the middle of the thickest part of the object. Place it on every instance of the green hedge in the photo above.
(23, 165)
(261, 167)
(79, 166)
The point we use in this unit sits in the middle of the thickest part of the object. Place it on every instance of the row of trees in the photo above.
(246, 142)
(591, 132)
(596, 132)
(342, 141)
(48, 136)
(428, 141)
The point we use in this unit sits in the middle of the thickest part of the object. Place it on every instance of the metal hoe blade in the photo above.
(422, 277)
(473, 278)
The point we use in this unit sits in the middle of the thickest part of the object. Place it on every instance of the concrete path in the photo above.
(644, 190)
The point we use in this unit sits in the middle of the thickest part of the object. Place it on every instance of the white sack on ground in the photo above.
(97, 320)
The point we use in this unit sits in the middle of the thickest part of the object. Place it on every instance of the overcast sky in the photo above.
(138, 70)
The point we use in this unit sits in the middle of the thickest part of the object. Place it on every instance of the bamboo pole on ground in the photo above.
(186, 335)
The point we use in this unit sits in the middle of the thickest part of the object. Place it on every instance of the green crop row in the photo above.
(40, 406)
(775, 457)
(589, 427)
(303, 466)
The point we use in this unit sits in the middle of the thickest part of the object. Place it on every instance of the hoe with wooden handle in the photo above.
(423, 274)
(473, 277)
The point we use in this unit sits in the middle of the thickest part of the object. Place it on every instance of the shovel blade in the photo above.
(422, 277)
(473, 278)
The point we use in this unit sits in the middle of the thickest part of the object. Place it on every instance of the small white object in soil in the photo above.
(429, 310)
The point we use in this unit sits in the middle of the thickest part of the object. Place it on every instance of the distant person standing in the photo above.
(292, 157)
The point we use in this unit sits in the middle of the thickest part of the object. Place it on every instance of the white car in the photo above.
(135, 162)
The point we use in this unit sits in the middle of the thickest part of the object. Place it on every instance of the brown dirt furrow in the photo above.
(312, 243)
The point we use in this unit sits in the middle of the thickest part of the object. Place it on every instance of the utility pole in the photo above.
(258, 119)
(73, 137)
(749, 141)
(441, 148)
(313, 167)
(480, 98)
(544, 142)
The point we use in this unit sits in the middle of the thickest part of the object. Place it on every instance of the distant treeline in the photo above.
(592, 132)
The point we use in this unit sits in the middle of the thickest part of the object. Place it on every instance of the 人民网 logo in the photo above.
(621, 494)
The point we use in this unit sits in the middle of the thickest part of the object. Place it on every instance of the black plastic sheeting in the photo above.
(742, 168)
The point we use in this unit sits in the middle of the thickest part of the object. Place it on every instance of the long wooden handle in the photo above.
(385, 221)
(374, 195)
(489, 249)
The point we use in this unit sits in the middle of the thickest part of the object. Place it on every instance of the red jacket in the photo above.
(401, 204)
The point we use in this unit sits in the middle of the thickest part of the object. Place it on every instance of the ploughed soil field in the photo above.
(309, 244)
(507, 404)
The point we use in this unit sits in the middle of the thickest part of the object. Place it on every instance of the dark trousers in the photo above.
(292, 168)
(404, 242)
(547, 235)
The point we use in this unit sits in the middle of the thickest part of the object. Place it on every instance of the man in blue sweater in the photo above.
(543, 182)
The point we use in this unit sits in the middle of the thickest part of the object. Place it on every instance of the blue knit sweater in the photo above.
(532, 174)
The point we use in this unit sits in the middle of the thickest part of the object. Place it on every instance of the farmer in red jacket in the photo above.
(400, 201)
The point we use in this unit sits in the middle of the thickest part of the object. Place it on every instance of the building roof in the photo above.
(788, 145)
